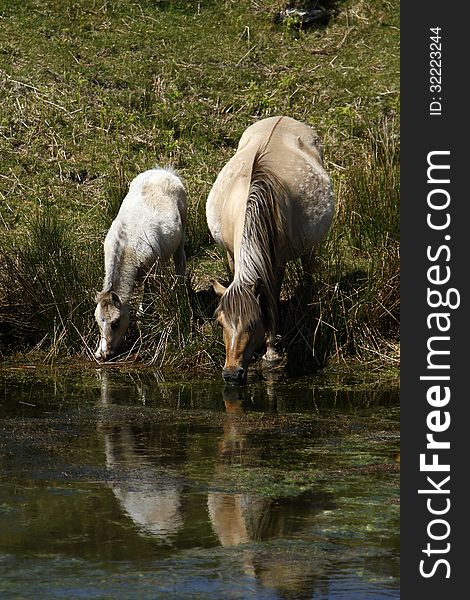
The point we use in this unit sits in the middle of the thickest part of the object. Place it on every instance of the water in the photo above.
(121, 485)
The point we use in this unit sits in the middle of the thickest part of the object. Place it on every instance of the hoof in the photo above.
(272, 360)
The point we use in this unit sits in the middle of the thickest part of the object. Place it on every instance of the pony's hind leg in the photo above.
(179, 258)
(308, 261)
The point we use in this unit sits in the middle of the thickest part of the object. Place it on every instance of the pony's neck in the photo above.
(121, 274)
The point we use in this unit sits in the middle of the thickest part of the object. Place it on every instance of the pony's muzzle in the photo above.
(234, 374)
(104, 356)
(102, 353)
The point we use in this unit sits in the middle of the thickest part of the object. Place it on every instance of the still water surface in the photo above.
(121, 485)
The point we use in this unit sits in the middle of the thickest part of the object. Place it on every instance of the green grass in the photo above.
(95, 92)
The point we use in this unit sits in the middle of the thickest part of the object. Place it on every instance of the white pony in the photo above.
(150, 225)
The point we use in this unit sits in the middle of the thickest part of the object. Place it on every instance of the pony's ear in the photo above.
(100, 296)
(258, 287)
(219, 289)
(116, 300)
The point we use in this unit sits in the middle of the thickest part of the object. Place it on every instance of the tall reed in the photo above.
(46, 286)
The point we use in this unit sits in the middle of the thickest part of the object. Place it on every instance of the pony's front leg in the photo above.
(231, 263)
(144, 292)
(272, 358)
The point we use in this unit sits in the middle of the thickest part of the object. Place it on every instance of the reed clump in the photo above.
(348, 304)
(45, 288)
(176, 330)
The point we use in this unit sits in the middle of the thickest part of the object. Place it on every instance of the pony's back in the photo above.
(290, 150)
(152, 219)
(156, 194)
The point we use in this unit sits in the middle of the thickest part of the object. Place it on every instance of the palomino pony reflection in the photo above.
(150, 225)
(271, 203)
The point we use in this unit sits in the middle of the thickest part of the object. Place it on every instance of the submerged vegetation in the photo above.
(95, 92)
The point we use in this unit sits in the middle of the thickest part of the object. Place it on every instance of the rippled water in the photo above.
(120, 485)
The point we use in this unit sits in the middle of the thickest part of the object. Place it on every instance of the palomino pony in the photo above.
(150, 225)
(271, 203)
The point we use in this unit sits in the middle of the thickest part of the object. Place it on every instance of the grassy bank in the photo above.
(95, 92)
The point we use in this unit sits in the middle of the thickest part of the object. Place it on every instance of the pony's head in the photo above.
(112, 316)
(244, 327)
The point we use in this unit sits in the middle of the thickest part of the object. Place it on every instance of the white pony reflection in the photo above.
(150, 499)
(153, 505)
